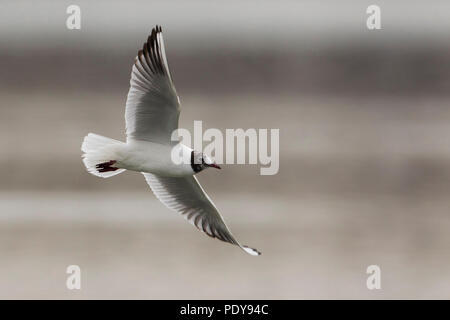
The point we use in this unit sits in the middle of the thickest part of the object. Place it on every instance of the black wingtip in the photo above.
(157, 29)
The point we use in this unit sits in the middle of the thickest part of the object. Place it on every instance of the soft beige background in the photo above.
(364, 175)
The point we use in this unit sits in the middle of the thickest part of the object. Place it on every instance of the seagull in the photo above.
(151, 116)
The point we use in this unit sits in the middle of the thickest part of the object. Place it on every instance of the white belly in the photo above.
(143, 156)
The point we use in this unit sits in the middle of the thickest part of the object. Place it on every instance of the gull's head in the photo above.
(200, 161)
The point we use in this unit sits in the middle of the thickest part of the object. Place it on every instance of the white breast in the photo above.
(161, 159)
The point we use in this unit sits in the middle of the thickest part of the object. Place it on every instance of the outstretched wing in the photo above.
(152, 108)
(187, 197)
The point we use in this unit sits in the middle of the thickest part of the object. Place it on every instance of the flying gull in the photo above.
(151, 115)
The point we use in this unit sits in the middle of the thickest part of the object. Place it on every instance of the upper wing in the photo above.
(152, 107)
(186, 196)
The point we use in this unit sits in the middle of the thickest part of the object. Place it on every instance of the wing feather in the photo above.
(152, 108)
(187, 197)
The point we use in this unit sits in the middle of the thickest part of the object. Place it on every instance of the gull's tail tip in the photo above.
(98, 155)
(251, 251)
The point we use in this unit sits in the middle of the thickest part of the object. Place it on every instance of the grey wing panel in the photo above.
(152, 107)
(187, 197)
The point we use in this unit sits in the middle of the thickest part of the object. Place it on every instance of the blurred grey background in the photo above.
(364, 174)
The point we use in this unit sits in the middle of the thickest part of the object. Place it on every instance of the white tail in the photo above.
(100, 153)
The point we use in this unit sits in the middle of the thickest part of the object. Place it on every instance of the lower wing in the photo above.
(187, 197)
